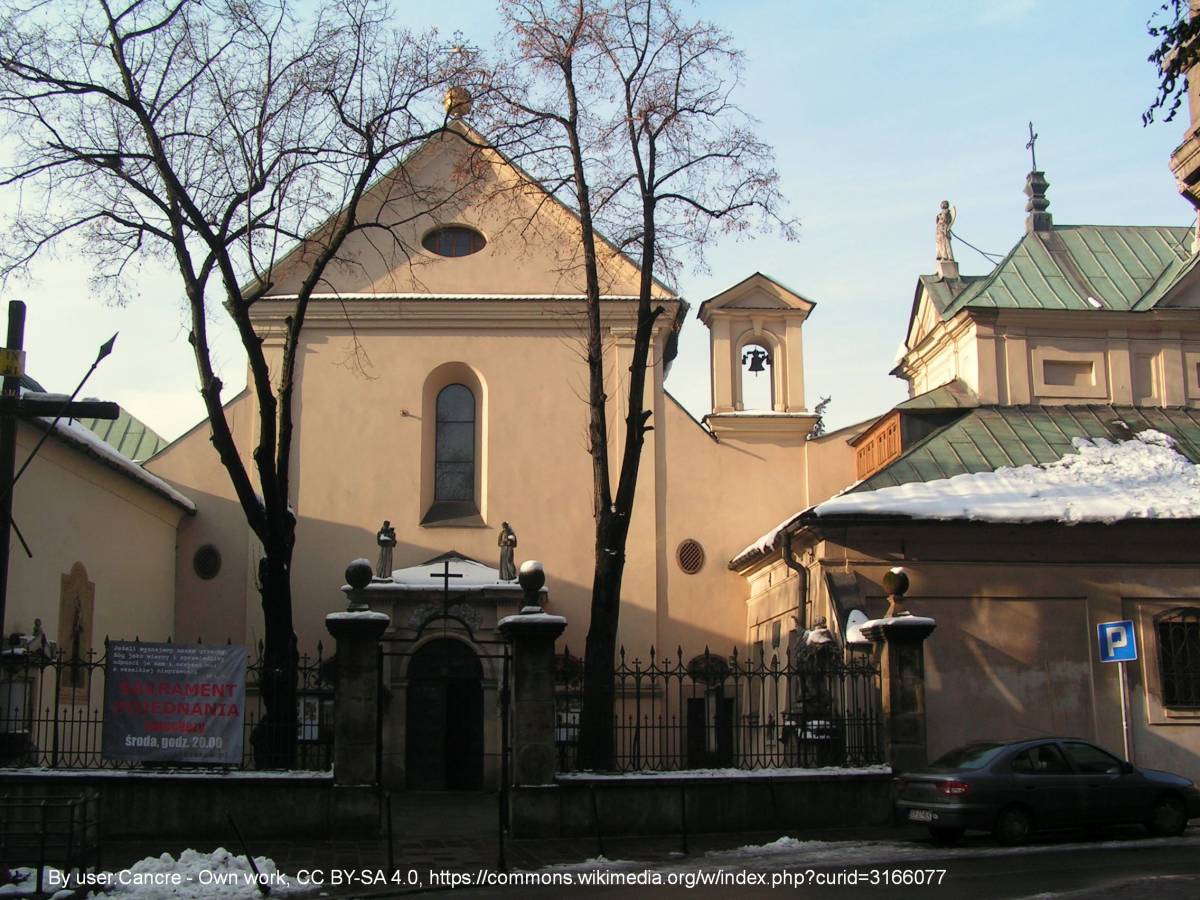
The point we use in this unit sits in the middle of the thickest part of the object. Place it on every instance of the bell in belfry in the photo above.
(758, 359)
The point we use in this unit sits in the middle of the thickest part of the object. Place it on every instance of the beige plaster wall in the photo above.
(215, 609)
(72, 508)
(1150, 358)
(532, 242)
(1014, 653)
(725, 494)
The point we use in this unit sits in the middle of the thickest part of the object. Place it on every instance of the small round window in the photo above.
(207, 562)
(454, 240)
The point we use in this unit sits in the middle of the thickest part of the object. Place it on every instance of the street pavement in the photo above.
(448, 842)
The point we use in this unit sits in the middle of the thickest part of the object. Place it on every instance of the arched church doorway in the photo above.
(444, 727)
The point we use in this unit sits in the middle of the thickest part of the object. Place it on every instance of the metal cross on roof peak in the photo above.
(1030, 147)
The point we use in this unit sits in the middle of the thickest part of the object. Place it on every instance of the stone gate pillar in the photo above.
(532, 634)
(899, 640)
(356, 696)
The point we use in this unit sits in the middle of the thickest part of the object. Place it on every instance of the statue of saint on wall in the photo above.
(507, 542)
(944, 220)
(387, 541)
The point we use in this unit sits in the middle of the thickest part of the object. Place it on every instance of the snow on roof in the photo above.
(1103, 481)
(474, 576)
(766, 542)
(89, 442)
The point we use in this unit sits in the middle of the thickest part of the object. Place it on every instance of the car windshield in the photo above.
(972, 756)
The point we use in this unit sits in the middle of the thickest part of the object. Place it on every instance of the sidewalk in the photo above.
(436, 833)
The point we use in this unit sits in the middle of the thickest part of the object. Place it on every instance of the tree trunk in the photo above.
(596, 747)
(274, 738)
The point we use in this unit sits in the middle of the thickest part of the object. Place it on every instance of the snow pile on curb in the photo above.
(1104, 481)
(192, 876)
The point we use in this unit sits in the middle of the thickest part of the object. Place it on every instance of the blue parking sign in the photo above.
(1117, 643)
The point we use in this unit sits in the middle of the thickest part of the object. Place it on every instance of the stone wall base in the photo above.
(577, 807)
(141, 805)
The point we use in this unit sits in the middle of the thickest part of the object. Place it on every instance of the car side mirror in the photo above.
(1127, 768)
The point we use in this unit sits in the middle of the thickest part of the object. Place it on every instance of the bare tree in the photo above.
(214, 135)
(1175, 27)
(624, 108)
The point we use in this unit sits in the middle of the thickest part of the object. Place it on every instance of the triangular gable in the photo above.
(759, 291)
(532, 246)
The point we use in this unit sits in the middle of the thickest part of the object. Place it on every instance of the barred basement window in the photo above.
(690, 556)
(1179, 657)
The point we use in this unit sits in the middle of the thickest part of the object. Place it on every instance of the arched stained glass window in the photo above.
(454, 469)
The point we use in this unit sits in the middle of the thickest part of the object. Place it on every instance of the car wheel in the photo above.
(946, 835)
(1167, 817)
(1012, 825)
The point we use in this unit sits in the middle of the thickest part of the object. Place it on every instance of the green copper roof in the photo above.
(1123, 267)
(954, 394)
(127, 434)
(989, 437)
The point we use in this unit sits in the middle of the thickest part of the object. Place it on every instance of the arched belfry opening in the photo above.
(755, 388)
(756, 342)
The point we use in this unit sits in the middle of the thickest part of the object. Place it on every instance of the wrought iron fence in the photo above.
(714, 711)
(52, 711)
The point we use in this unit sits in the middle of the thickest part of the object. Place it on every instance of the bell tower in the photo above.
(756, 331)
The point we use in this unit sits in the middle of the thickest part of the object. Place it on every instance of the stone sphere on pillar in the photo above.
(359, 574)
(532, 576)
(895, 582)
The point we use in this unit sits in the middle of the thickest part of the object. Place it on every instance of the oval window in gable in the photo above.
(454, 240)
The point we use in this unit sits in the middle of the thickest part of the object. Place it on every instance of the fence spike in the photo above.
(229, 641)
(199, 640)
(320, 650)
(168, 639)
(735, 655)
(652, 654)
(622, 653)
(706, 652)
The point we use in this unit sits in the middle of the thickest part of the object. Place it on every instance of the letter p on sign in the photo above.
(1117, 643)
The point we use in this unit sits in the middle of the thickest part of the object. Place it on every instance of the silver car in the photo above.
(1017, 787)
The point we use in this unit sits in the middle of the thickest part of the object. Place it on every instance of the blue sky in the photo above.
(877, 111)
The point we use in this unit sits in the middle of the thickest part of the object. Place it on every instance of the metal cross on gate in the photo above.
(13, 406)
(445, 575)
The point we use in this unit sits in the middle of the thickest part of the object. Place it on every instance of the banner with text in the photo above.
(174, 702)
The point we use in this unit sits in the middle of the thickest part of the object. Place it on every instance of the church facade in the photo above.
(441, 387)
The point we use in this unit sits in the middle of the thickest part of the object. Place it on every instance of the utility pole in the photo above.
(12, 407)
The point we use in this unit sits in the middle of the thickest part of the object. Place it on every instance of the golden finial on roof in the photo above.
(457, 102)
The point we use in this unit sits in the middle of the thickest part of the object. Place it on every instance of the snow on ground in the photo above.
(819, 772)
(196, 874)
(1104, 481)
(792, 853)
(193, 875)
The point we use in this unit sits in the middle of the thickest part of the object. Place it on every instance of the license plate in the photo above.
(921, 815)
